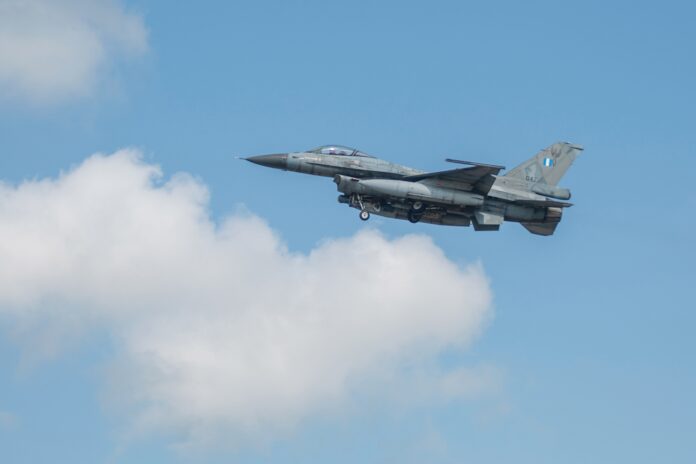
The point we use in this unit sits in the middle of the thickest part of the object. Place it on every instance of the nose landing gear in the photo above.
(364, 215)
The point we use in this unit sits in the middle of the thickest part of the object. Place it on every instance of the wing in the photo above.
(478, 176)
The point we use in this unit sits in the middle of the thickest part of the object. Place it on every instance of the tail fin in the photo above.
(549, 165)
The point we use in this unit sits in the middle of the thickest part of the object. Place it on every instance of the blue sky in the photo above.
(589, 333)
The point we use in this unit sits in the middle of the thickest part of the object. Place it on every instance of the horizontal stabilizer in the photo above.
(544, 203)
(540, 228)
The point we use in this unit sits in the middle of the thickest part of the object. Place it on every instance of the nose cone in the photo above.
(278, 161)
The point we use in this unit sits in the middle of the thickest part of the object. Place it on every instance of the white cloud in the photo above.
(51, 50)
(218, 329)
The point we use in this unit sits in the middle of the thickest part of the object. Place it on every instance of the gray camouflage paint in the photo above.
(477, 195)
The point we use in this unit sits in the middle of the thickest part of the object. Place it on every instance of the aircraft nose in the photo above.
(278, 161)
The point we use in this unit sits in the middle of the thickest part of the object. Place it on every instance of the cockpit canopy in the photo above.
(338, 150)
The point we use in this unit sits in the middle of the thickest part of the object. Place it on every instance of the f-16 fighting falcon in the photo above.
(475, 195)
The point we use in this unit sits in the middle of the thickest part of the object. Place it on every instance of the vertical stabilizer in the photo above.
(549, 165)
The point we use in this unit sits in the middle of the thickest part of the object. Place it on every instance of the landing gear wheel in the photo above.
(364, 215)
(414, 217)
(418, 207)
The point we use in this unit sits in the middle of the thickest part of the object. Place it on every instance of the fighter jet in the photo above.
(477, 195)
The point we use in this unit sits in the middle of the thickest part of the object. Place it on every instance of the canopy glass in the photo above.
(338, 150)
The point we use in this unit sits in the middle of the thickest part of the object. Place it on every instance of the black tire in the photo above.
(364, 215)
(418, 207)
(414, 217)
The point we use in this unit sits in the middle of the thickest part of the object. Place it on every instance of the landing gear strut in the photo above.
(416, 212)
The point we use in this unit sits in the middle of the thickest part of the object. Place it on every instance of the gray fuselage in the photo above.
(458, 197)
